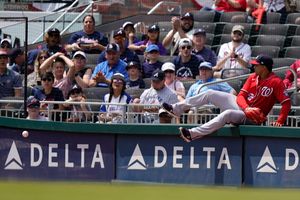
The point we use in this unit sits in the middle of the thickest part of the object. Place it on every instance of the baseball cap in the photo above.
(152, 47)
(200, 31)
(118, 76)
(239, 28)
(187, 16)
(7, 40)
(119, 32)
(112, 47)
(263, 60)
(127, 24)
(32, 102)
(133, 64)
(3, 53)
(185, 42)
(168, 66)
(153, 28)
(207, 65)
(81, 53)
(53, 30)
(158, 75)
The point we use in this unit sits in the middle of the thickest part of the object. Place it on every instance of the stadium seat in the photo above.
(224, 38)
(165, 26)
(232, 17)
(273, 18)
(228, 28)
(204, 16)
(187, 84)
(209, 38)
(270, 40)
(292, 52)
(297, 31)
(272, 51)
(134, 92)
(95, 93)
(273, 29)
(92, 59)
(147, 83)
(291, 18)
(227, 73)
(281, 62)
(295, 41)
(208, 27)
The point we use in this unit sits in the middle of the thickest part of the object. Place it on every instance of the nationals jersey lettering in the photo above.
(263, 94)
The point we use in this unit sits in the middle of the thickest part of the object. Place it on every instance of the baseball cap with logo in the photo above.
(79, 53)
(119, 32)
(127, 24)
(263, 60)
(153, 28)
(53, 30)
(32, 102)
(168, 66)
(133, 64)
(113, 47)
(185, 42)
(158, 75)
(118, 76)
(200, 31)
(206, 65)
(152, 47)
(239, 28)
(188, 15)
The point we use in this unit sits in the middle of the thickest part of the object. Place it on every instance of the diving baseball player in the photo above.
(255, 100)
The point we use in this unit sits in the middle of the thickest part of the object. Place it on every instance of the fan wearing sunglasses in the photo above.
(186, 63)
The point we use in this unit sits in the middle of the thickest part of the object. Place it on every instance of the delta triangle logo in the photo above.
(137, 161)
(266, 163)
(13, 161)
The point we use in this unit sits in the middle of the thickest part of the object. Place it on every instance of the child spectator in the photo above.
(134, 71)
(33, 109)
(151, 61)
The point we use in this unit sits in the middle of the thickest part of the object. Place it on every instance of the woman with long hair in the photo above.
(113, 113)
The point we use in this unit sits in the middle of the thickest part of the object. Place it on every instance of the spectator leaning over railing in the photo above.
(157, 94)
(254, 102)
(105, 70)
(88, 40)
(83, 74)
(186, 63)
(115, 113)
(79, 112)
(10, 81)
(52, 44)
(33, 109)
(181, 28)
(152, 38)
(234, 54)
(62, 78)
(289, 77)
(125, 54)
(199, 40)
(151, 62)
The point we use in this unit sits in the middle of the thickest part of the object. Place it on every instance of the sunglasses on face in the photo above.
(47, 79)
(186, 47)
(169, 71)
(117, 81)
(43, 57)
(5, 46)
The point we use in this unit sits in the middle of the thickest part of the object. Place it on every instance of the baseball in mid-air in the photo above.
(25, 134)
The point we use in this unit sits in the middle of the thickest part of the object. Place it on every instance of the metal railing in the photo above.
(129, 114)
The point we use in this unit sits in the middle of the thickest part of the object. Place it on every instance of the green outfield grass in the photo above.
(13, 190)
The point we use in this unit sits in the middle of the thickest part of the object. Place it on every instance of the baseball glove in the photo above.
(255, 115)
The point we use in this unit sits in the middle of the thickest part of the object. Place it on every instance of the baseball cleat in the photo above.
(185, 134)
(169, 109)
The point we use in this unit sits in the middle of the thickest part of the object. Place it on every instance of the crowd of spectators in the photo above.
(59, 72)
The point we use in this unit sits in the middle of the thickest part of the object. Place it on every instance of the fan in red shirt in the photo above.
(230, 5)
(254, 102)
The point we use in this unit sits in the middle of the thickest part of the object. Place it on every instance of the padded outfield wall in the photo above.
(251, 155)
